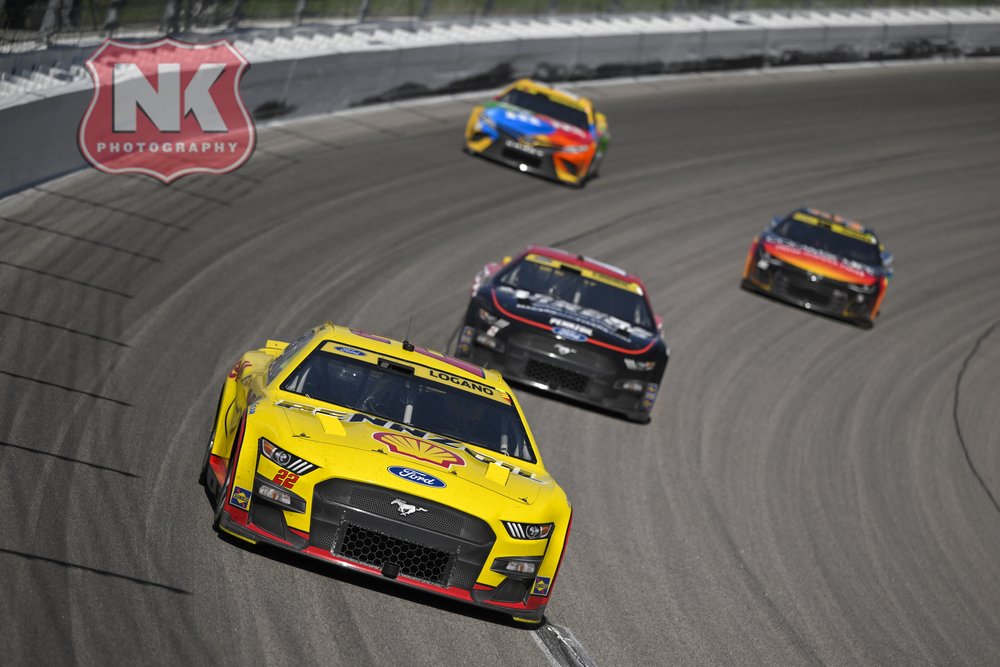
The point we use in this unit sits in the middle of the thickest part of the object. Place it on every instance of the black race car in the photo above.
(821, 262)
(570, 325)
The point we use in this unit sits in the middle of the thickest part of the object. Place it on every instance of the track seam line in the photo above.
(958, 425)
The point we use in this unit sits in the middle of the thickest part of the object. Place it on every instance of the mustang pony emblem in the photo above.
(405, 508)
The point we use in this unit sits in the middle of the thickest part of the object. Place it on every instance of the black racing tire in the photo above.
(639, 418)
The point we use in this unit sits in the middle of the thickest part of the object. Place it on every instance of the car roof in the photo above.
(833, 218)
(585, 262)
(561, 96)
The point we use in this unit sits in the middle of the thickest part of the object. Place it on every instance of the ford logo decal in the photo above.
(569, 334)
(411, 475)
(350, 350)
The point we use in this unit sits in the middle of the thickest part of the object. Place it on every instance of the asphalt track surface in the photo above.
(808, 492)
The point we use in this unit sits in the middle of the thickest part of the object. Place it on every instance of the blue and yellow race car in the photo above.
(540, 130)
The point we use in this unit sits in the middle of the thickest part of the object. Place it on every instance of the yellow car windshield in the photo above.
(392, 391)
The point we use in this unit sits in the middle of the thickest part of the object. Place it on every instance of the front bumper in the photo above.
(442, 550)
(823, 295)
(585, 375)
(566, 168)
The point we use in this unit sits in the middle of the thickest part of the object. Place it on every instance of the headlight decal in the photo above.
(528, 531)
(637, 365)
(280, 457)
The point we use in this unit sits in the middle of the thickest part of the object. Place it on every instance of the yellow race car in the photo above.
(390, 459)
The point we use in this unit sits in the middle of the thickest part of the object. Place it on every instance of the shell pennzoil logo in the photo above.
(421, 450)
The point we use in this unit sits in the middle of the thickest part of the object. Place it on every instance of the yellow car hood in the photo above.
(366, 450)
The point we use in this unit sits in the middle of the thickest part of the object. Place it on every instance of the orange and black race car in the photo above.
(821, 262)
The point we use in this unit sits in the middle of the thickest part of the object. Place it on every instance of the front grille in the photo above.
(413, 560)
(511, 590)
(378, 500)
(464, 575)
(570, 167)
(821, 293)
(268, 518)
(555, 377)
(517, 156)
(323, 535)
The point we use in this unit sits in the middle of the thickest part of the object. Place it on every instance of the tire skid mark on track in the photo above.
(94, 570)
(82, 239)
(113, 209)
(69, 459)
(958, 424)
(281, 129)
(74, 390)
(275, 154)
(561, 647)
(758, 589)
(608, 225)
(60, 327)
(81, 283)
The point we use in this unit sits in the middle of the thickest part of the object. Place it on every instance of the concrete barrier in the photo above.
(321, 71)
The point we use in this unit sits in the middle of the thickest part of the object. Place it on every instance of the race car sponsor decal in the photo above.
(405, 508)
(551, 309)
(524, 148)
(238, 369)
(570, 334)
(465, 340)
(358, 418)
(416, 476)
(521, 123)
(351, 351)
(286, 479)
(541, 586)
(569, 324)
(818, 262)
(649, 397)
(462, 382)
(240, 498)
(421, 450)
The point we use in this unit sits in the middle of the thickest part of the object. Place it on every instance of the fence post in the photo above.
(172, 17)
(300, 10)
(57, 16)
(425, 9)
(111, 18)
(487, 7)
(363, 11)
(237, 14)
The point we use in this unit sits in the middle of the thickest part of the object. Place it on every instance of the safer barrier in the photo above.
(322, 71)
